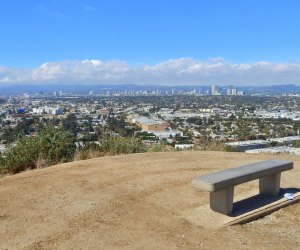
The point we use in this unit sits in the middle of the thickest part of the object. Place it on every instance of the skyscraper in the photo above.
(215, 90)
(231, 90)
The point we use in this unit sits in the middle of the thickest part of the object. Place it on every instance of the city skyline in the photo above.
(149, 42)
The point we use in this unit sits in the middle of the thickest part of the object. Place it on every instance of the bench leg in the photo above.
(221, 201)
(270, 185)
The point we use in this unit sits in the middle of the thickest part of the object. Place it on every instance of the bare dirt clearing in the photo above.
(134, 202)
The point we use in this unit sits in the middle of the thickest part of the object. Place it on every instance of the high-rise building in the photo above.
(215, 90)
(231, 90)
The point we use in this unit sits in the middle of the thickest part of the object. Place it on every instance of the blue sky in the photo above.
(139, 34)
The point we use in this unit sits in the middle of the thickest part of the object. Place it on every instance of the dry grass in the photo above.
(133, 202)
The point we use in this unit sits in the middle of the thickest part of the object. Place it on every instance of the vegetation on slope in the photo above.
(54, 145)
(50, 146)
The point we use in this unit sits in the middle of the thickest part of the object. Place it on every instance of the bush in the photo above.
(49, 147)
(210, 144)
(110, 146)
(90, 150)
(56, 145)
(159, 148)
(119, 145)
(21, 156)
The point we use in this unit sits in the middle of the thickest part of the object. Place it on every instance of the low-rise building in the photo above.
(275, 150)
(184, 146)
(148, 124)
(242, 146)
(166, 134)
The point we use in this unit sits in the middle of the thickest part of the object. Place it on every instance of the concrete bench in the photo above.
(221, 184)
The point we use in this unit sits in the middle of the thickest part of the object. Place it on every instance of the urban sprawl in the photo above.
(176, 119)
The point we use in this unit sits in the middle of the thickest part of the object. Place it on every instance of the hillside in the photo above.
(134, 202)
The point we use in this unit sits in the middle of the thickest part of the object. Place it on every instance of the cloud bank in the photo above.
(183, 71)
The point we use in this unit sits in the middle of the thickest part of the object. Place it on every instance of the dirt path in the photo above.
(133, 202)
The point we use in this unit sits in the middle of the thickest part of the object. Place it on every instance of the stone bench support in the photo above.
(221, 184)
(270, 185)
(222, 200)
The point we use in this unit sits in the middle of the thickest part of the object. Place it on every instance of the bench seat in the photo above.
(238, 175)
(221, 184)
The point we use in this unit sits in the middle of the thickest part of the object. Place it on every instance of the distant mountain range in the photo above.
(272, 90)
(84, 89)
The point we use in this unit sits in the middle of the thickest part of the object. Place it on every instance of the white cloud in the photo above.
(182, 71)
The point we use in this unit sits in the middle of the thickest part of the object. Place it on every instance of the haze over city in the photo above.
(149, 42)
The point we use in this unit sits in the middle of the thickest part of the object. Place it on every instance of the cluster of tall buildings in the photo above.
(231, 90)
(59, 93)
(177, 90)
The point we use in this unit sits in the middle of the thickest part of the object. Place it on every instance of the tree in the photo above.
(70, 124)
(22, 128)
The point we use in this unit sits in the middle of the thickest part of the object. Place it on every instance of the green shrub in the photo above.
(56, 145)
(158, 148)
(119, 145)
(90, 150)
(21, 156)
(50, 146)
(210, 144)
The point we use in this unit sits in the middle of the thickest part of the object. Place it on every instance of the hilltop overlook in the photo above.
(134, 201)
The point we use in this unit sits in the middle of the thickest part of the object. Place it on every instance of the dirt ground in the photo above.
(134, 202)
